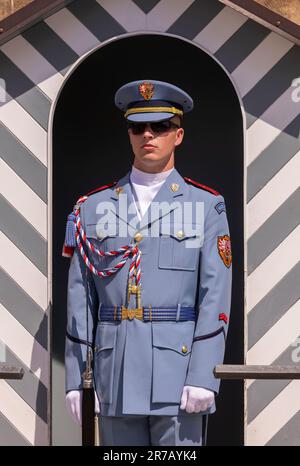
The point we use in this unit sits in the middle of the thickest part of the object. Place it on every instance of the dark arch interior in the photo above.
(90, 148)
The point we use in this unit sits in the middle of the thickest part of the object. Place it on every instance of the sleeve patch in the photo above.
(224, 249)
(220, 207)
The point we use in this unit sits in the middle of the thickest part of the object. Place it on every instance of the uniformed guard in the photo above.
(154, 249)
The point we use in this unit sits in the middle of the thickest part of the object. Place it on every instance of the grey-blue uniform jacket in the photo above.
(141, 367)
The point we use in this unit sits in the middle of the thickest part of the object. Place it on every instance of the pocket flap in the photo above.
(105, 337)
(101, 231)
(182, 231)
(175, 336)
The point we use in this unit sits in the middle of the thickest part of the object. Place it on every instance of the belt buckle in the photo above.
(132, 313)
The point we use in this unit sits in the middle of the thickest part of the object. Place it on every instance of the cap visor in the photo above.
(151, 116)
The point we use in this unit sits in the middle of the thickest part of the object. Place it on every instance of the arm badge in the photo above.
(220, 207)
(224, 249)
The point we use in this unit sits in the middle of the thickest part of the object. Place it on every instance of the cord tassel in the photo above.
(70, 240)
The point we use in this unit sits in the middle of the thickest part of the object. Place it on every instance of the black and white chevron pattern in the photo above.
(262, 66)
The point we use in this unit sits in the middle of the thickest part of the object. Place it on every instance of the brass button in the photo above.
(180, 234)
(100, 234)
(184, 349)
(174, 187)
(119, 189)
(138, 237)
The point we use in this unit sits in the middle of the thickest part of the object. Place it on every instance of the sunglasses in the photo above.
(156, 126)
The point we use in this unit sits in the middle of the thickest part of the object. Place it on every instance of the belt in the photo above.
(146, 313)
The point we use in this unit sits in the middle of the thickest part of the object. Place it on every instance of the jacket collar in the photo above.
(172, 190)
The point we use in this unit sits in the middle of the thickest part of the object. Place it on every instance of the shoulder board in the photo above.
(70, 241)
(82, 199)
(101, 188)
(201, 186)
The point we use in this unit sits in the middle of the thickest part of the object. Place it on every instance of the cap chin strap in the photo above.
(174, 110)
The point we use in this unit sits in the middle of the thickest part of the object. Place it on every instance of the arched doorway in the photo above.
(90, 148)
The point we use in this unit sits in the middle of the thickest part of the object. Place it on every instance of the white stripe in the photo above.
(22, 416)
(274, 268)
(214, 35)
(25, 128)
(24, 345)
(260, 61)
(52, 85)
(33, 65)
(23, 271)
(2, 351)
(165, 13)
(127, 13)
(277, 339)
(72, 31)
(24, 200)
(275, 415)
(273, 194)
(265, 130)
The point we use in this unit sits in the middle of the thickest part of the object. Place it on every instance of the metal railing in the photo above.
(11, 372)
(234, 372)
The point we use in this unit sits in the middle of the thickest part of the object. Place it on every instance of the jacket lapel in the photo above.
(172, 190)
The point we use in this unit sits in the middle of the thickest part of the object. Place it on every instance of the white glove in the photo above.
(74, 404)
(196, 399)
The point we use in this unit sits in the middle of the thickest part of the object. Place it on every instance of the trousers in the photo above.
(153, 430)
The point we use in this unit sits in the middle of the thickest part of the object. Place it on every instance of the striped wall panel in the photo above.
(262, 66)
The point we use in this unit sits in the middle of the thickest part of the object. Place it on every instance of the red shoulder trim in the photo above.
(101, 188)
(202, 186)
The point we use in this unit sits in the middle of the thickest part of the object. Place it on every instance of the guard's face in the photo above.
(152, 149)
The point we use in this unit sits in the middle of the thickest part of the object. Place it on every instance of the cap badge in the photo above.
(146, 90)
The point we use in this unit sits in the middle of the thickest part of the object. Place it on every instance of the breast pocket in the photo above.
(104, 360)
(179, 246)
(106, 239)
(172, 345)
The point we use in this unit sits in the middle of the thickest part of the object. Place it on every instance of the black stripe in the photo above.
(146, 5)
(23, 235)
(24, 91)
(273, 84)
(50, 46)
(273, 158)
(23, 308)
(209, 335)
(195, 18)
(96, 19)
(17, 83)
(78, 340)
(30, 388)
(23, 162)
(273, 231)
(9, 434)
(241, 44)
